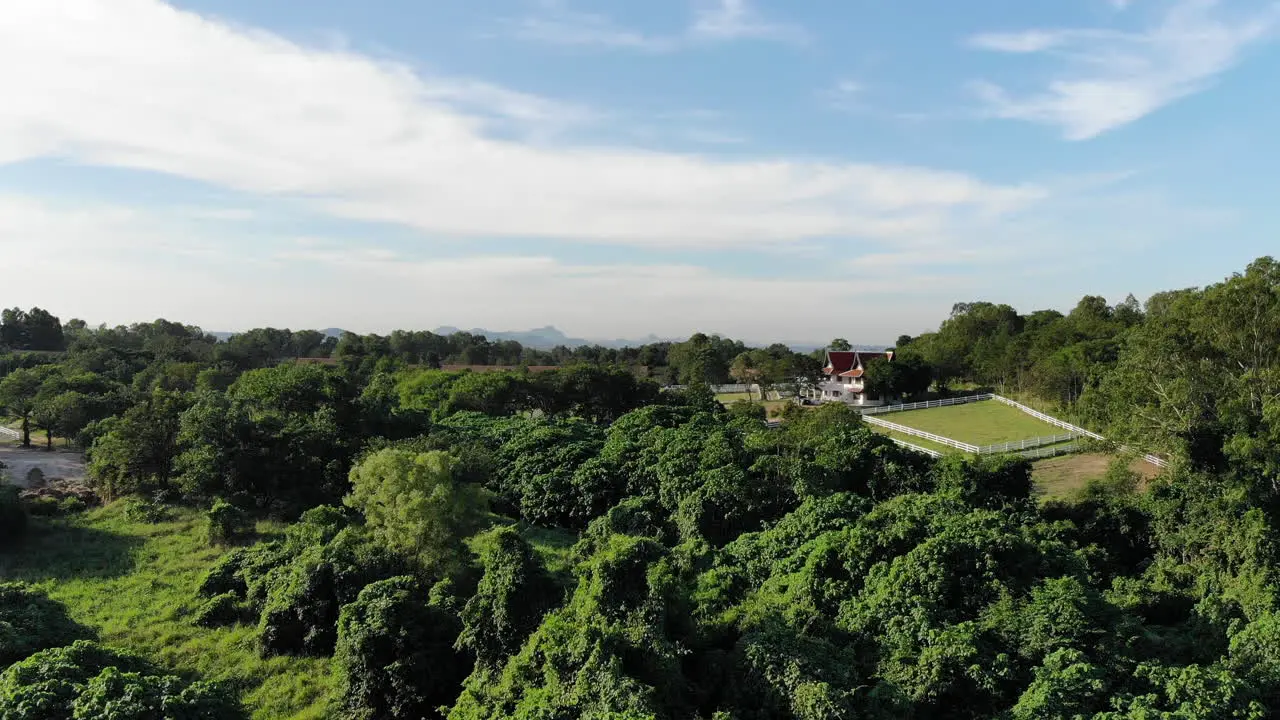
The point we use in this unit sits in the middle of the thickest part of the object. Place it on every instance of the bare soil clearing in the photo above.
(55, 465)
(1061, 476)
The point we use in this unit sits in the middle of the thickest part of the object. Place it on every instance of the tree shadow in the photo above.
(56, 550)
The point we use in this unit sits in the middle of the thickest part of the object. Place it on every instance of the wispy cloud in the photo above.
(1109, 79)
(148, 87)
(120, 264)
(737, 19)
(555, 23)
(845, 94)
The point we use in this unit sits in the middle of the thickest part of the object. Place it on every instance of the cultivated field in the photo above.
(978, 423)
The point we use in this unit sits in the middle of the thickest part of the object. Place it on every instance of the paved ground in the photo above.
(59, 464)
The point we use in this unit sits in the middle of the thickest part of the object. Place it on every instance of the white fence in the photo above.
(921, 434)
(10, 432)
(917, 448)
(1049, 451)
(1048, 418)
(1019, 445)
(1153, 459)
(881, 409)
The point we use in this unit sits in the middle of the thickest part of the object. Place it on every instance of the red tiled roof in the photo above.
(854, 373)
(839, 361)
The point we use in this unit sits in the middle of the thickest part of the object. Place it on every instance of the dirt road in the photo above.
(59, 464)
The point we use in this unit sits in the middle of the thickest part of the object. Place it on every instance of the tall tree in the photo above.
(18, 394)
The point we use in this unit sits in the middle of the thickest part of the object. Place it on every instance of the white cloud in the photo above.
(737, 19)
(555, 23)
(138, 84)
(119, 265)
(1110, 79)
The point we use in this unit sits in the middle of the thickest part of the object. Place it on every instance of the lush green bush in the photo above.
(510, 601)
(142, 509)
(30, 621)
(43, 506)
(300, 601)
(13, 516)
(224, 609)
(395, 653)
(86, 680)
(226, 523)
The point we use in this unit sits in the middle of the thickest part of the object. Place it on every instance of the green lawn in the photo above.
(978, 423)
(135, 584)
(927, 444)
(770, 406)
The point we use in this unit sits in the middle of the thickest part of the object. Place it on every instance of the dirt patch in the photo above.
(1061, 476)
(56, 465)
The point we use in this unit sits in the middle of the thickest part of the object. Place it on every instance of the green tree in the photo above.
(19, 391)
(395, 654)
(137, 451)
(513, 595)
(414, 502)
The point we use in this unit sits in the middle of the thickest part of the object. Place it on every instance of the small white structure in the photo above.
(843, 379)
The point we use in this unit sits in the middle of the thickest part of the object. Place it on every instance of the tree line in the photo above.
(719, 568)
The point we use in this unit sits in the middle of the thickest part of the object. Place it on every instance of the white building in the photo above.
(843, 378)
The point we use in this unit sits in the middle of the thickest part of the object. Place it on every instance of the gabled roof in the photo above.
(839, 361)
(843, 362)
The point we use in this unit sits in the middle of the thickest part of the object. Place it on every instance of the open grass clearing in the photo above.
(770, 406)
(1063, 476)
(135, 584)
(979, 423)
(921, 442)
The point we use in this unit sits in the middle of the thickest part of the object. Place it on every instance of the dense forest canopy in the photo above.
(719, 567)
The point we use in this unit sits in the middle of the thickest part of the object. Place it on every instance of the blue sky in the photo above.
(769, 170)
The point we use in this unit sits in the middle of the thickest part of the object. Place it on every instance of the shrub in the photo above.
(43, 505)
(140, 509)
(395, 653)
(86, 680)
(512, 597)
(224, 609)
(13, 516)
(29, 622)
(224, 577)
(301, 598)
(226, 523)
(71, 504)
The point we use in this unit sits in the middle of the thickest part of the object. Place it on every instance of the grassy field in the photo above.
(769, 405)
(979, 423)
(134, 583)
(1063, 476)
(927, 444)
